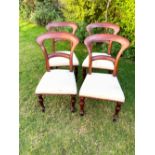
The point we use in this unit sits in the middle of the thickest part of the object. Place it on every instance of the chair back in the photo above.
(51, 27)
(62, 36)
(104, 25)
(104, 38)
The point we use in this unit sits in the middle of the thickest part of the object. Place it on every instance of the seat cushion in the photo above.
(102, 64)
(57, 81)
(61, 61)
(102, 86)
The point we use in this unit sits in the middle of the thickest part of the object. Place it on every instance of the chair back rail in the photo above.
(52, 25)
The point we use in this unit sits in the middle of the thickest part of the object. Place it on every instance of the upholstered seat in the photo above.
(102, 64)
(102, 86)
(61, 61)
(57, 81)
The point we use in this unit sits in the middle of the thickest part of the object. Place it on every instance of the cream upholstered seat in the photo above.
(60, 61)
(102, 64)
(102, 86)
(57, 81)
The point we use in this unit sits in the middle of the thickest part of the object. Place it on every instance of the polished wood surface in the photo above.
(72, 103)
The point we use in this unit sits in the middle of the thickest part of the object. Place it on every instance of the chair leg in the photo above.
(72, 103)
(110, 72)
(82, 102)
(41, 100)
(84, 73)
(76, 72)
(117, 110)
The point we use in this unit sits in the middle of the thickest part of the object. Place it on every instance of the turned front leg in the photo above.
(82, 102)
(41, 100)
(72, 103)
(117, 110)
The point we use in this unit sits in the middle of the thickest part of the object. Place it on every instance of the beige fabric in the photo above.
(57, 81)
(60, 61)
(102, 64)
(102, 86)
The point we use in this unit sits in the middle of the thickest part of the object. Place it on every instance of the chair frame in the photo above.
(52, 25)
(103, 38)
(105, 25)
(57, 35)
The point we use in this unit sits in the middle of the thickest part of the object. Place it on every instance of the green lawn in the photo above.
(60, 132)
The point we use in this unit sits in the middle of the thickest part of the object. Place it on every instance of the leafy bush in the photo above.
(46, 11)
(40, 11)
(89, 11)
(123, 13)
(26, 8)
(83, 12)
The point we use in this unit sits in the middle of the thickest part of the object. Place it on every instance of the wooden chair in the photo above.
(59, 61)
(57, 81)
(103, 86)
(104, 64)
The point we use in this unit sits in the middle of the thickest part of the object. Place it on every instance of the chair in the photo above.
(103, 86)
(104, 64)
(57, 81)
(57, 61)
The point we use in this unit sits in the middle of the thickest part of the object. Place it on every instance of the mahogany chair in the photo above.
(57, 81)
(104, 64)
(103, 86)
(59, 61)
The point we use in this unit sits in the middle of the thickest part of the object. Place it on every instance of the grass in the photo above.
(60, 132)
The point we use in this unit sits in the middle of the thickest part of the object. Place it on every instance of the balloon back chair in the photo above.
(57, 81)
(104, 64)
(59, 61)
(103, 86)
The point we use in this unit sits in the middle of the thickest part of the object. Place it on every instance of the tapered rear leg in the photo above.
(117, 110)
(72, 103)
(41, 100)
(82, 102)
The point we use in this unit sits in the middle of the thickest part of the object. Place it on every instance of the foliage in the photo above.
(83, 12)
(40, 11)
(46, 11)
(123, 13)
(89, 11)
(26, 8)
